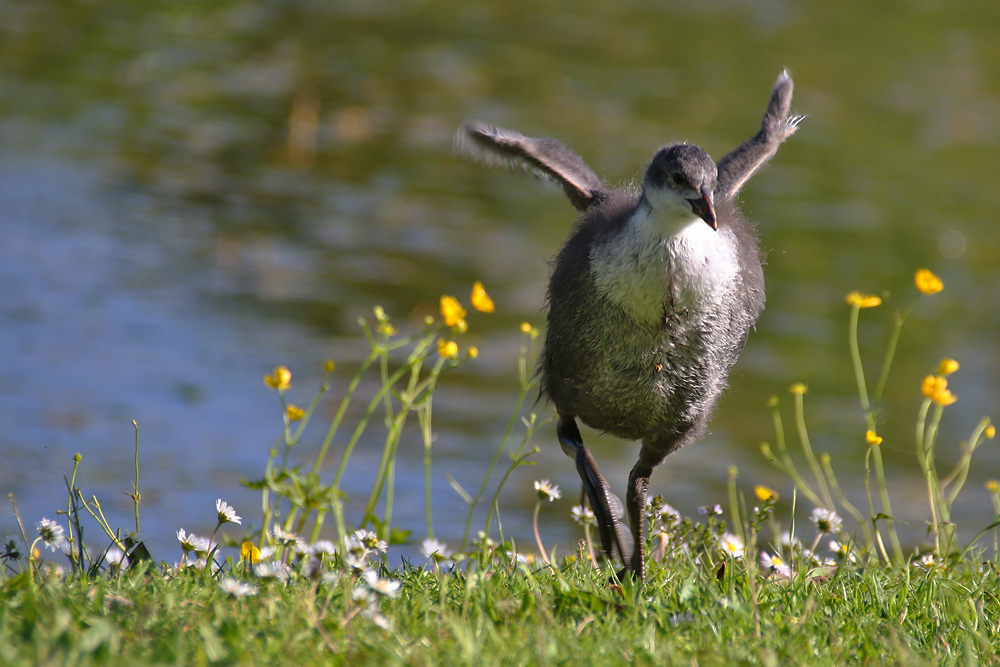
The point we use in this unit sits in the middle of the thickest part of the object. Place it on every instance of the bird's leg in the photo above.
(607, 507)
(638, 485)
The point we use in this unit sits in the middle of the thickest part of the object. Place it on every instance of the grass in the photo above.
(741, 584)
(511, 615)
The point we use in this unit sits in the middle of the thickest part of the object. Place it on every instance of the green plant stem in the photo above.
(336, 500)
(859, 374)
(342, 409)
(99, 517)
(525, 385)
(424, 420)
(135, 487)
(800, 423)
(897, 548)
(879, 543)
(890, 353)
(69, 504)
(734, 510)
(784, 462)
(960, 473)
(538, 537)
(516, 460)
(844, 502)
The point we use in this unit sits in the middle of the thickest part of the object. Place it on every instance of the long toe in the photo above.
(616, 540)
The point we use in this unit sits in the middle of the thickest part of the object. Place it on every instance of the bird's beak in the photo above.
(704, 207)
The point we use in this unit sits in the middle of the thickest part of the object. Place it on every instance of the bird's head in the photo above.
(680, 181)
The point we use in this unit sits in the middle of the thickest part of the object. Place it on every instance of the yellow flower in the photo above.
(765, 493)
(935, 388)
(525, 327)
(473, 352)
(798, 388)
(447, 348)
(990, 432)
(280, 379)
(249, 553)
(862, 300)
(927, 282)
(873, 438)
(993, 486)
(481, 301)
(945, 397)
(295, 413)
(947, 366)
(329, 365)
(932, 385)
(452, 311)
(386, 328)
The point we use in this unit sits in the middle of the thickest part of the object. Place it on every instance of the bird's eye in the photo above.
(678, 178)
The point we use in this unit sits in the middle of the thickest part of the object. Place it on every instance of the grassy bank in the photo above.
(829, 583)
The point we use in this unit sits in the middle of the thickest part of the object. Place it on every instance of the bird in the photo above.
(650, 301)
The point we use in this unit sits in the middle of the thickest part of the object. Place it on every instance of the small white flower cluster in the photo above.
(51, 533)
(731, 545)
(116, 558)
(191, 542)
(826, 520)
(663, 519)
(774, 564)
(367, 596)
(547, 490)
(798, 554)
(226, 513)
(236, 588)
(360, 545)
(435, 551)
(583, 515)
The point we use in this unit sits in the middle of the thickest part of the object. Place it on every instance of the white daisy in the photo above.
(322, 548)
(584, 515)
(371, 613)
(370, 540)
(355, 562)
(267, 570)
(386, 587)
(826, 521)
(52, 534)
(842, 551)
(774, 563)
(226, 513)
(363, 595)
(236, 588)
(435, 550)
(116, 558)
(789, 541)
(547, 490)
(191, 542)
(356, 547)
(731, 545)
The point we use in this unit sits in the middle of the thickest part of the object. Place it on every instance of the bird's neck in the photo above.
(668, 218)
(662, 258)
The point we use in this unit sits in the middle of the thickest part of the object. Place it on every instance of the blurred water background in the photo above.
(194, 193)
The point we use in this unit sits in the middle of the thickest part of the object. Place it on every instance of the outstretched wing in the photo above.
(546, 158)
(745, 160)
